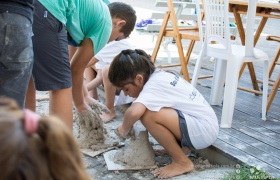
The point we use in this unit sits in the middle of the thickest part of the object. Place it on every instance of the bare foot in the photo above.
(160, 152)
(174, 169)
(107, 117)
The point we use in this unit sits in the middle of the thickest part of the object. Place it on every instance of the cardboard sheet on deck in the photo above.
(93, 153)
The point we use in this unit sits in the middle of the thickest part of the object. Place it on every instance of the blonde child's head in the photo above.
(128, 64)
(36, 148)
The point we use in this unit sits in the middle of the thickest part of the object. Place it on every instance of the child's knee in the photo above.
(147, 118)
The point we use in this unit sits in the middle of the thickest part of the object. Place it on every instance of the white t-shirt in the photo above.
(106, 55)
(164, 89)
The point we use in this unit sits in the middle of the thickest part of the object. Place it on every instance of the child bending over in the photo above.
(36, 148)
(100, 61)
(170, 108)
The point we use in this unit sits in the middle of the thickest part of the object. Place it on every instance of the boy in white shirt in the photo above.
(95, 78)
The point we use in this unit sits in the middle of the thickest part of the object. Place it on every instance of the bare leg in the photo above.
(71, 51)
(110, 91)
(164, 127)
(30, 102)
(161, 152)
(61, 105)
(91, 76)
(94, 83)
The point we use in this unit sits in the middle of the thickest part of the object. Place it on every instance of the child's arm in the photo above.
(78, 64)
(92, 62)
(132, 114)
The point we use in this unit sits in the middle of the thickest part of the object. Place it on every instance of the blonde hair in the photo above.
(49, 153)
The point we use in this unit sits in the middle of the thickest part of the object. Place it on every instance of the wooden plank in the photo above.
(248, 149)
(269, 124)
(239, 155)
(265, 137)
(258, 128)
(252, 103)
(246, 100)
(260, 133)
(268, 127)
(254, 108)
(254, 100)
(257, 135)
(252, 141)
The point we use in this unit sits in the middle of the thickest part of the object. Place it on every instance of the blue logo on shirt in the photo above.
(176, 79)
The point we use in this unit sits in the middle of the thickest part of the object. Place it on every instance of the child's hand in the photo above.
(122, 138)
(125, 135)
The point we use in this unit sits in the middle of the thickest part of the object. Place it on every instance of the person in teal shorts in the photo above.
(86, 26)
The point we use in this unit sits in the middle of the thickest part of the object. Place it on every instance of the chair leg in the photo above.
(198, 65)
(182, 59)
(265, 89)
(189, 52)
(197, 68)
(218, 82)
(233, 67)
(160, 36)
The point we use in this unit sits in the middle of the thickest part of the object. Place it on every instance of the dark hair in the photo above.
(125, 12)
(49, 153)
(128, 64)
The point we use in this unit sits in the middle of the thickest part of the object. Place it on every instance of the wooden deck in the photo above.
(250, 140)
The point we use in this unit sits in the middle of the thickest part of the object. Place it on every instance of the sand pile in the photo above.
(138, 151)
(91, 132)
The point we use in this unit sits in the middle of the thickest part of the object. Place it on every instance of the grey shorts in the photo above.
(186, 142)
(16, 56)
(51, 69)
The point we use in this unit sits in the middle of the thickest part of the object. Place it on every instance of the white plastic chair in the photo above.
(217, 30)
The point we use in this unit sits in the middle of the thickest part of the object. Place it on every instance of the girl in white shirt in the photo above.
(170, 108)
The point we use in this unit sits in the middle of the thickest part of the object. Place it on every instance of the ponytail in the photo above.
(36, 148)
(61, 150)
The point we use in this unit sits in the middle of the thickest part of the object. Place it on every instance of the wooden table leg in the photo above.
(273, 92)
(242, 37)
(259, 30)
(239, 24)
(253, 76)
